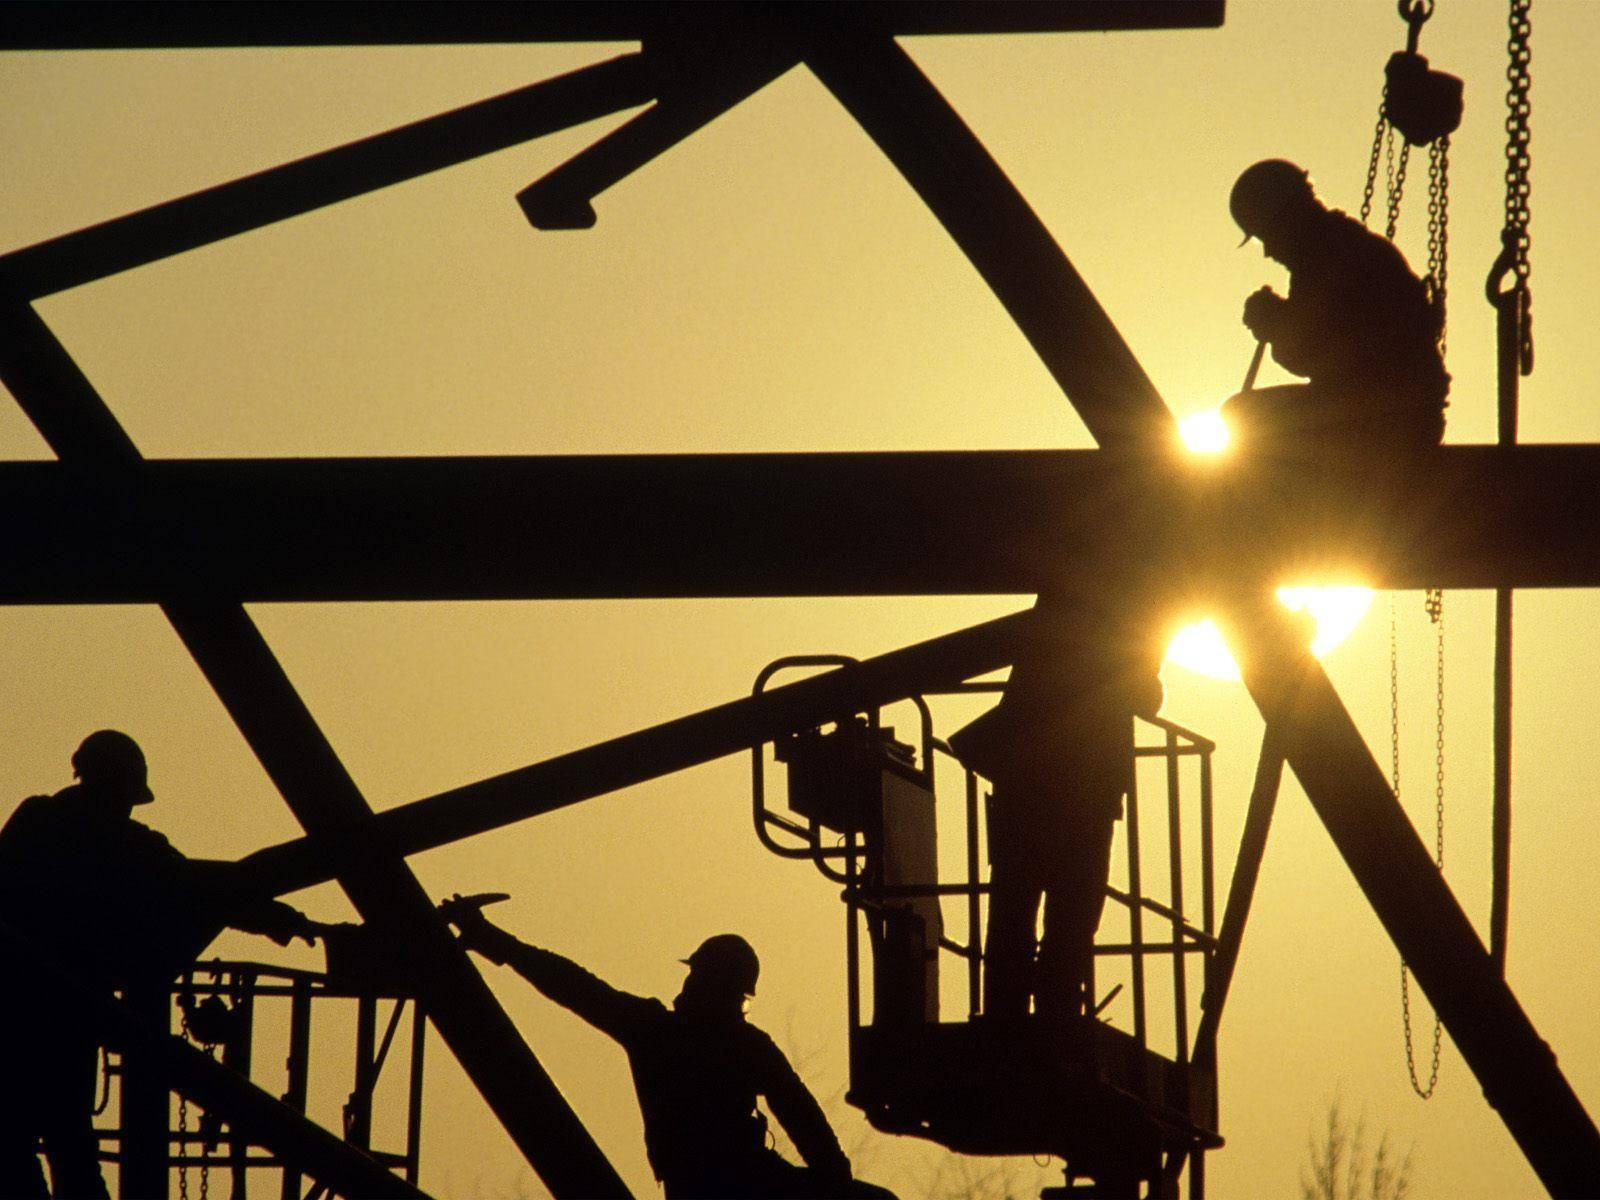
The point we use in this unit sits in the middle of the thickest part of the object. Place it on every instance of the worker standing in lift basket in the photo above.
(109, 901)
(1058, 750)
(1357, 323)
(698, 1068)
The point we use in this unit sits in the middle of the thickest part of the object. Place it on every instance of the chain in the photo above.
(1434, 604)
(1372, 161)
(1396, 181)
(1439, 233)
(183, 1118)
(1519, 162)
(183, 1140)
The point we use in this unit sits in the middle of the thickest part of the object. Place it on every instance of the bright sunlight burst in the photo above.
(1199, 647)
(1204, 432)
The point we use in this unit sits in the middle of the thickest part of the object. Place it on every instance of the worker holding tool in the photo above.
(698, 1068)
(1357, 324)
(86, 888)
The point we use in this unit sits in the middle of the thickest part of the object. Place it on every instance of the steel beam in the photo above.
(926, 139)
(239, 665)
(318, 180)
(697, 81)
(92, 24)
(1347, 788)
(647, 754)
(1241, 895)
(787, 524)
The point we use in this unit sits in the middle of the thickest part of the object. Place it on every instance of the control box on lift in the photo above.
(856, 779)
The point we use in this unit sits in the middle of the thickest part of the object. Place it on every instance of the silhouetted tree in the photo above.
(1342, 1168)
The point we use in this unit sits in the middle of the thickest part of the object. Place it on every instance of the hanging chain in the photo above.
(1372, 162)
(183, 1116)
(1438, 280)
(1519, 163)
(1434, 604)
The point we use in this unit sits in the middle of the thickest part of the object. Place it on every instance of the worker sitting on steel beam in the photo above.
(113, 904)
(1058, 750)
(1357, 323)
(698, 1068)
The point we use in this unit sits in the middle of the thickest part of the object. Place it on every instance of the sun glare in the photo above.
(1204, 432)
(1199, 647)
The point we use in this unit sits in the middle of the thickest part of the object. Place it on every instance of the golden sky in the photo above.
(773, 285)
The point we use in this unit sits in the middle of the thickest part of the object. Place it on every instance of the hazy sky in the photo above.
(773, 285)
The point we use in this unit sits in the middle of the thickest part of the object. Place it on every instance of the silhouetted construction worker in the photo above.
(1357, 323)
(698, 1068)
(111, 903)
(1058, 750)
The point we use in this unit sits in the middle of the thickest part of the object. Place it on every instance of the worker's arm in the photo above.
(221, 890)
(802, 1118)
(608, 1009)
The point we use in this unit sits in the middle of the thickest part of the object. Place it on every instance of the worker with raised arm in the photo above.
(1357, 323)
(88, 893)
(698, 1069)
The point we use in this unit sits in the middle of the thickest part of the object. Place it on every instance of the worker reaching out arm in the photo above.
(698, 1069)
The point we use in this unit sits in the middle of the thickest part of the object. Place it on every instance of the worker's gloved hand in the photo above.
(1261, 312)
(288, 923)
(475, 931)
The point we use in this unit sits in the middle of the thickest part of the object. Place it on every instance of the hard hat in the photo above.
(111, 757)
(726, 958)
(1264, 191)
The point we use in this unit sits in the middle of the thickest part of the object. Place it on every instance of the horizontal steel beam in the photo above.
(786, 524)
(173, 23)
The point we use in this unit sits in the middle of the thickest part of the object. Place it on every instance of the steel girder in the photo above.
(787, 524)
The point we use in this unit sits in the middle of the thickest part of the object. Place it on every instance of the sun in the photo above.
(1199, 647)
(1204, 432)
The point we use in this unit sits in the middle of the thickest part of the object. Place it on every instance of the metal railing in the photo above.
(842, 862)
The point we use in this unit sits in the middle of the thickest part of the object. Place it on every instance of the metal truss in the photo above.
(202, 531)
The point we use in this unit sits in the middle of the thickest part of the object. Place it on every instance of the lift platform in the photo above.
(1124, 1104)
(230, 1008)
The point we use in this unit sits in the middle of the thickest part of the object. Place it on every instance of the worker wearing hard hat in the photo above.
(1357, 324)
(89, 894)
(1058, 750)
(698, 1068)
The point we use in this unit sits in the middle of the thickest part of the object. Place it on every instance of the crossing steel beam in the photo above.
(307, 184)
(1516, 1068)
(239, 665)
(633, 758)
(982, 210)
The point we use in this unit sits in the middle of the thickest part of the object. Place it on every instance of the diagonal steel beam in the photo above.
(1241, 894)
(317, 180)
(697, 81)
(982, 210)
(239, 665)
(1347, 788)
(633, 758)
